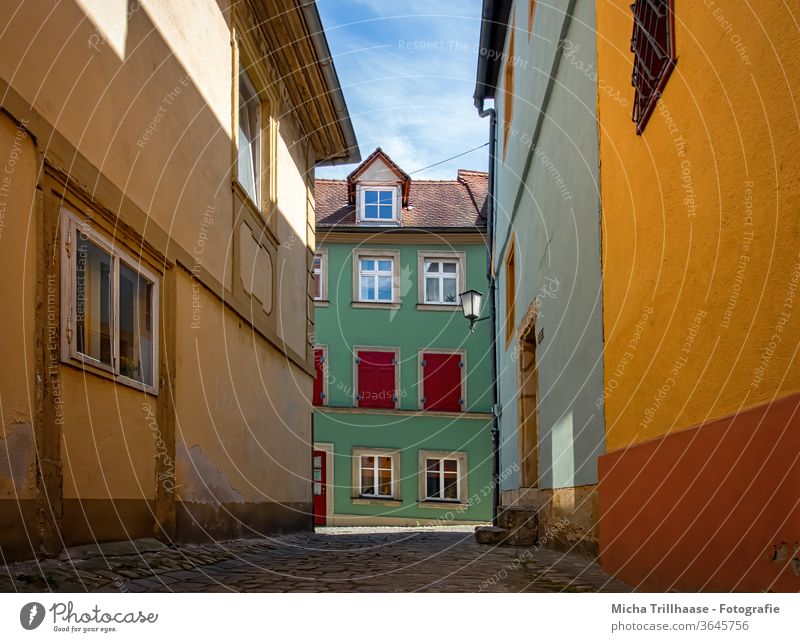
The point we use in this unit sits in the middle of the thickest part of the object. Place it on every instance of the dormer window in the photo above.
(378, 205)
(378, 190)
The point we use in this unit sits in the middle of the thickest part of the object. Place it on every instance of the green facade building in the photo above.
(403, 391)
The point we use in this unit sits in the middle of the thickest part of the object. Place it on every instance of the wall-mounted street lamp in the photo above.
(471, 306)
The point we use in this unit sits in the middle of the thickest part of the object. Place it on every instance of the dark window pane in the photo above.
(135, 325)
(385, 482)
(432, 487)
(93, 301)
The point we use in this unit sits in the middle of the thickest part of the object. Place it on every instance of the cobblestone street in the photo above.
(335, 559)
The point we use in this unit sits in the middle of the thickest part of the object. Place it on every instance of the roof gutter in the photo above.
(494, 24)
(320, 42)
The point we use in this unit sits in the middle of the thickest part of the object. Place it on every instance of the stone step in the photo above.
(492, 535)
(112, 549)
(522, 524)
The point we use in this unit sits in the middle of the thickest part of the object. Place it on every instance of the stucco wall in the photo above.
(136, 119)
(557, 238)
(17, 264)
(700, 247)
(341, 326)
(243, 430)
(135, 108)
(410, 434)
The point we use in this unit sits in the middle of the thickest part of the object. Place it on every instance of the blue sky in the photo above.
(407, 69)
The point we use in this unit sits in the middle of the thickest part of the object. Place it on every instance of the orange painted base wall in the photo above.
(704, 509)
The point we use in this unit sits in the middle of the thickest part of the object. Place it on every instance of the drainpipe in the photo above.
(479, 104)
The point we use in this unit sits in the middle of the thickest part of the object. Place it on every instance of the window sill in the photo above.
(438, 307)
(376, 305)
(321, 303)
(432, 503)
(375, 501)
(102, 372)
(369, 222)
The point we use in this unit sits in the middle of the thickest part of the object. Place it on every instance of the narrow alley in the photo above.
(358, 559)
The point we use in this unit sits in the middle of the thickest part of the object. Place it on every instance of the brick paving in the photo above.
(330, 560)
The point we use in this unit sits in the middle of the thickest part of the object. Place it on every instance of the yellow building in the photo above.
(156, 236)
(701, 265)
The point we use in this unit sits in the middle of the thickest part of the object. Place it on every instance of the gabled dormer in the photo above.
(378, 190)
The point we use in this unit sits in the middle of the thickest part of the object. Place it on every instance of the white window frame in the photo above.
(365, 251)
(256, 144)
(394, 455)
(440, 276)
(71, 226)
(375, 274)
(362, 202)
(375, 470)
(322, 253)
(462, 471)
(460, 259)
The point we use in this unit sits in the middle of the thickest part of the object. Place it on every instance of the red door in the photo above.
(318, 473)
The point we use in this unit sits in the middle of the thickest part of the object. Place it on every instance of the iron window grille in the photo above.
(653, 47)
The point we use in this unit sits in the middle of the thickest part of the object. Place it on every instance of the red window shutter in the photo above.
(441, 381)
(376, 384)
(318, 381)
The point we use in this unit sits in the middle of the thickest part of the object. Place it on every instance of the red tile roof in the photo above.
(459, 204)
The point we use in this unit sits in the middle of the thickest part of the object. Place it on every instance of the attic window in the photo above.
(378, 205)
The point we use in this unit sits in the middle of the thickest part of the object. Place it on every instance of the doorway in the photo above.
(528, 406)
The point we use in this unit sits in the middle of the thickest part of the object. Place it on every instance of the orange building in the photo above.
(700, 486)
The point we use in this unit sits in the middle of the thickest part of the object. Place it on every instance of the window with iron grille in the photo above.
(653, 47)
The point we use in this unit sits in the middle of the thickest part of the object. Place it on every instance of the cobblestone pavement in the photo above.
(332, 559)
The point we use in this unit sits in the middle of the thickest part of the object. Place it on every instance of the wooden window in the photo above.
(442, 381)
(442, 276)
(508, 92)
(441, 282)
(442, 480)
(378, 205)
(109, 306)
(442, 477)
(376, 275)
(511, 290)
(376, 475)
(248, 139)
(376, 278)
(653, 46)
(318, 267)
(376, 373)
(320, 397)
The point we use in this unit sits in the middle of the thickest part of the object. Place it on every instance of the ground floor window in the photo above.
(441, 479)
(442, 476)
(377, 476)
